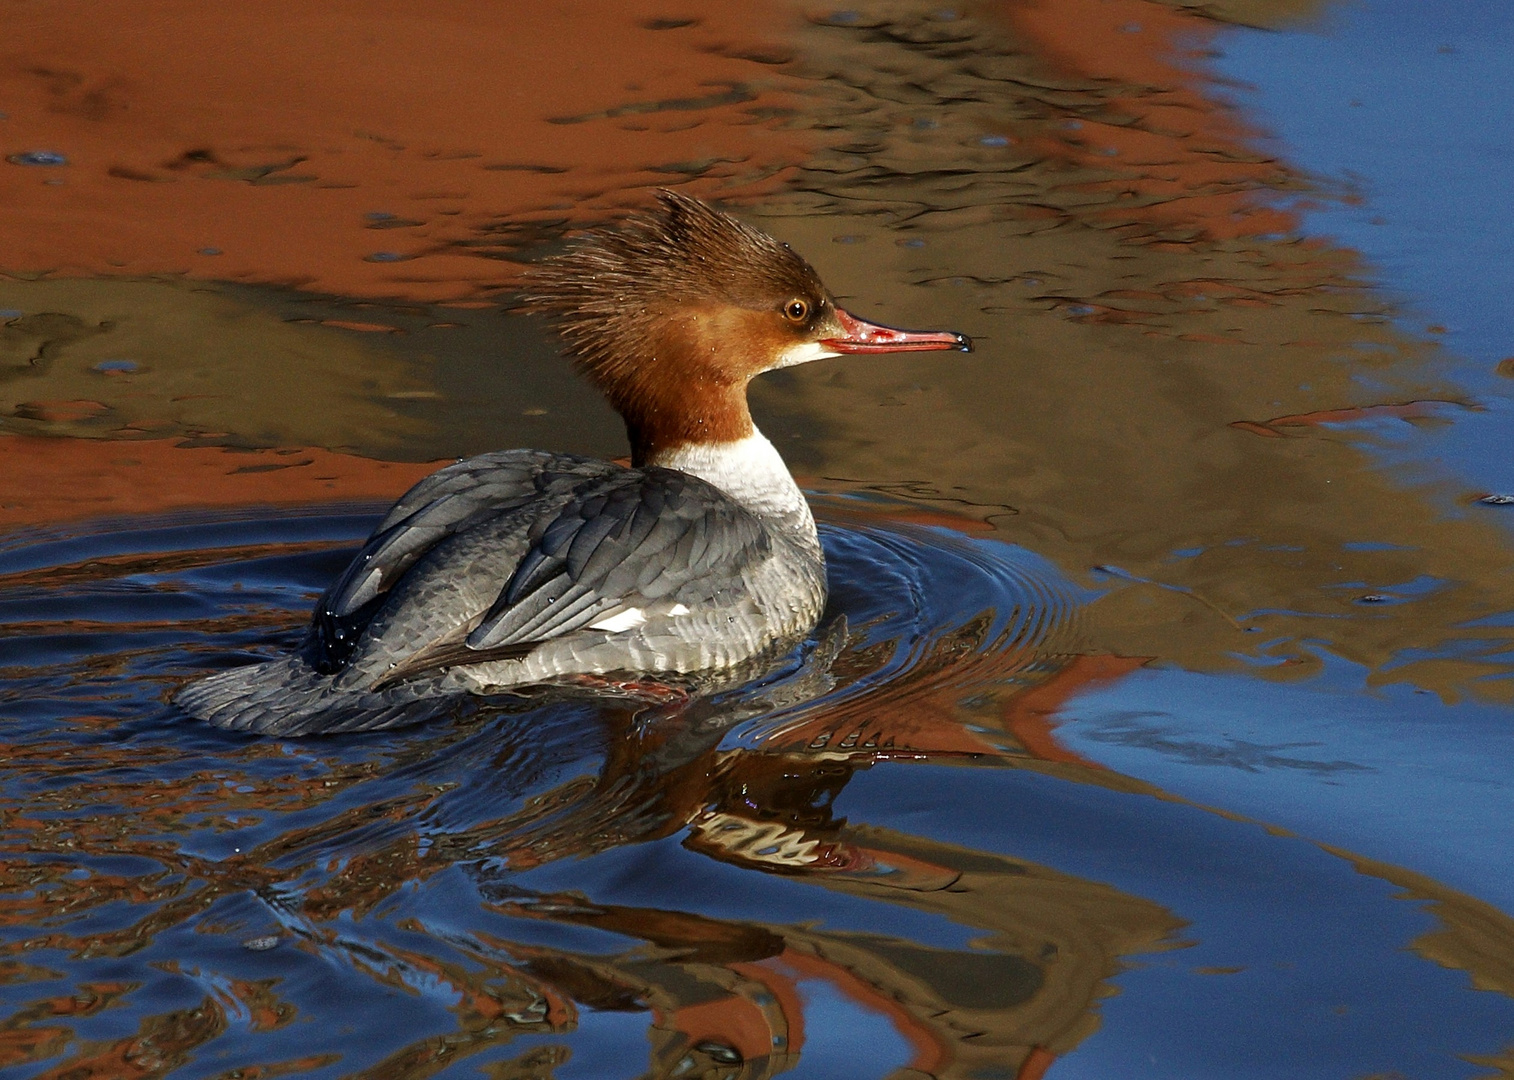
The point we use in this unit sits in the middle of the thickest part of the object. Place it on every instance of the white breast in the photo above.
(749, 470)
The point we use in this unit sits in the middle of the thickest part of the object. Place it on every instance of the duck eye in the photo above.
(796, 311)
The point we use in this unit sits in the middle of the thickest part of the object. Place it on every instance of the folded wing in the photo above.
(614, 548)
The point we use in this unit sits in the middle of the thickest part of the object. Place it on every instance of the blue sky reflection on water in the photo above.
(1420, 782)
(1392, 773)
(1300, 962)
(1410, 106)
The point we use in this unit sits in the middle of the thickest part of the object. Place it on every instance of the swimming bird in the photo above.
(524, 568)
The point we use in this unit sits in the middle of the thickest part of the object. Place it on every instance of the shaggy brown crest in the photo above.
(673, 312)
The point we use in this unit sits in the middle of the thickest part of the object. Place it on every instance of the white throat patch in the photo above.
(749, 470)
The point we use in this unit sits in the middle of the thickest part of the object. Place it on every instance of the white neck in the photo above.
(750, 471)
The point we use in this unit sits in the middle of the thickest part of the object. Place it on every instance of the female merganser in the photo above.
(523, 567)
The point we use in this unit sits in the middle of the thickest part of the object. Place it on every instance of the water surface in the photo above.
(1158, 724)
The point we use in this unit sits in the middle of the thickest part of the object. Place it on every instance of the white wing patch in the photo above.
(631, 618)
(628, 619)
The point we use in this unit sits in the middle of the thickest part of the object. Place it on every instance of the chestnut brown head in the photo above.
(672, 313)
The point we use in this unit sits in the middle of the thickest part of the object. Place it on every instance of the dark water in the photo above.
(852, 860)
(507, 872)
(1160, 722)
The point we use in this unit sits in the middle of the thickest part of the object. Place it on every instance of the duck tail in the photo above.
(289, 697)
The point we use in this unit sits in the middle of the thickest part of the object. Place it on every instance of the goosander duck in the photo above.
(523, 568)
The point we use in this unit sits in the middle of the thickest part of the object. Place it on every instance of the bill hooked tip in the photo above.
(861, 336)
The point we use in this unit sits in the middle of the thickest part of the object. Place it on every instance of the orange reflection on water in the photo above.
(1182, 159)
(364, 148)
(57, 480)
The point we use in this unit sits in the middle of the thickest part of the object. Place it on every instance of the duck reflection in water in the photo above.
(408, 895)
(750, 779)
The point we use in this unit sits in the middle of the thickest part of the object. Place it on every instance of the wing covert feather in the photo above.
(449, 501)
(626, 545)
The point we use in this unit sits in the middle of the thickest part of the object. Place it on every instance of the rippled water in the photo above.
(1159, 723)
(496, 890)
(380, 887)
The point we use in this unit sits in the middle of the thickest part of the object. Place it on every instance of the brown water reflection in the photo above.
(1115, 256)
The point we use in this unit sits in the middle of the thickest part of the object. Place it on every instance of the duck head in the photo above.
(674, 312)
